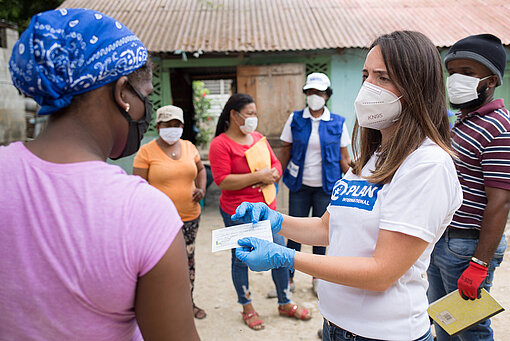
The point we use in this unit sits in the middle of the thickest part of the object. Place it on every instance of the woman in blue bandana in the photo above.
(87, 252)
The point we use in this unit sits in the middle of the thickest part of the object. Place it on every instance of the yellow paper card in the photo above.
(455, 314)
(258, 157)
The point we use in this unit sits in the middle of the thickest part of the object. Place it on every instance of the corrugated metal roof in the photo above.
(286, 25)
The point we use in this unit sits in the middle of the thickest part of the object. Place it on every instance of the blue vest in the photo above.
(330, 133)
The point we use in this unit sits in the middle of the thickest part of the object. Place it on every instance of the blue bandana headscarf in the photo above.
(67, 52)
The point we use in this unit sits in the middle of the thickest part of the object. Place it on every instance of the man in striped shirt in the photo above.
(473, 245)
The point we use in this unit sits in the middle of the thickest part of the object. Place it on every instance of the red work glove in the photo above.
(470, 282)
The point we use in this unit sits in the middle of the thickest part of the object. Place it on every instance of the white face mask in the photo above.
(376, 108)
(170, 135)
(250, 124)
(315, 102)
(462, 88)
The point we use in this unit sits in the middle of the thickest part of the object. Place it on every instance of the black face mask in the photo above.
(136, 128)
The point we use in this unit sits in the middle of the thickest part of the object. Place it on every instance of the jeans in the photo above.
(240, 272)
(300, 203)
(334, 333)
(451, 256)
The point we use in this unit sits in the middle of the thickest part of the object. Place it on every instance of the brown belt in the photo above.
(463, 233)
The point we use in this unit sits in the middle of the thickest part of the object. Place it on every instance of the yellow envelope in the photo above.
(258, 157)
(454, 314)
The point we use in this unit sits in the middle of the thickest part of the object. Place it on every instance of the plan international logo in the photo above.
(355, 193)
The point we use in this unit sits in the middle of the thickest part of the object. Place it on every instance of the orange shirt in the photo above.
(175, 178)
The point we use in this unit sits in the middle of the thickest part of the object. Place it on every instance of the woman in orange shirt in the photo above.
(173, 166)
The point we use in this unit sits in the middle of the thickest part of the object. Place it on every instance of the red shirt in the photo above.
(227, 157)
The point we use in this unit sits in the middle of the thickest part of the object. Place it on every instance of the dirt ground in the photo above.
(214, 292)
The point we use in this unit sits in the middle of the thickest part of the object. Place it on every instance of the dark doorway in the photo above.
(182, 97)
(182, 92)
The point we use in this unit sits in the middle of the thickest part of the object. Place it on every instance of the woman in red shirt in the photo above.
(235, 134)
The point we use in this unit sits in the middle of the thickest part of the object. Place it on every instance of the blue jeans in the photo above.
(240, 272)
(300, 203)
(333, 333)
(451, 256)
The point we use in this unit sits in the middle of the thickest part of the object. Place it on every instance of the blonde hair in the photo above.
(414, 66)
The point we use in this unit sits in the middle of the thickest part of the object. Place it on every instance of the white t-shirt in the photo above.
(419, 201)
(312, 170)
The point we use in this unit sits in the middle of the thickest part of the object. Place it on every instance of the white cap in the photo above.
(317, 81)
(168, 113)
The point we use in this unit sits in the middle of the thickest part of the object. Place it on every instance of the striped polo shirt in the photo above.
(482, 141)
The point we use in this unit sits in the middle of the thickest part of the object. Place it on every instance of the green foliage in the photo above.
(21, 11)
(202, 105)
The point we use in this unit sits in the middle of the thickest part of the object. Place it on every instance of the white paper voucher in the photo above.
(226, 238)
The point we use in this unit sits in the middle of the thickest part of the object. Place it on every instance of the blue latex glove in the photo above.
(249, 212)
(261, 255)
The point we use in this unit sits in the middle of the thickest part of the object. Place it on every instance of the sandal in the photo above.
(199, 313)
(258, 324)
(292, 312)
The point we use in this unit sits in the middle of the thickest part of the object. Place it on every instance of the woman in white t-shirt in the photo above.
(388, 211)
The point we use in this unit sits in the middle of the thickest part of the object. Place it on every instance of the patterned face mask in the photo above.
(67, 52)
